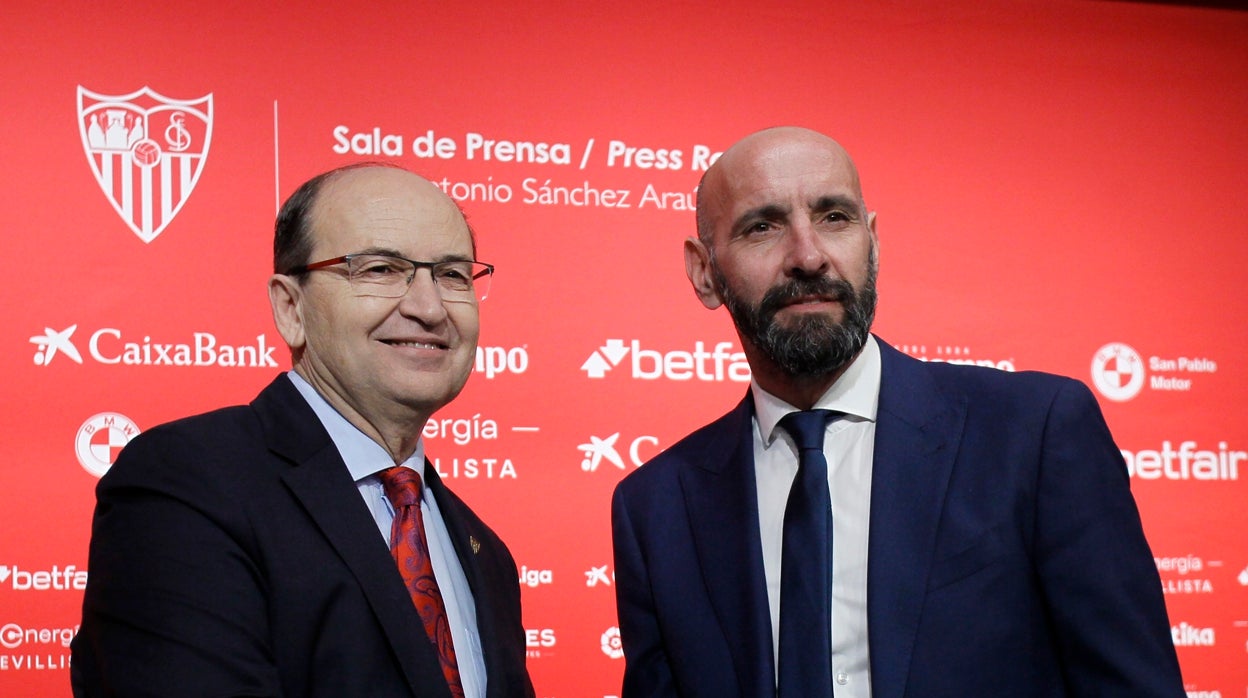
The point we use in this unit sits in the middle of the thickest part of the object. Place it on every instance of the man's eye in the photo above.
(837, 216)
(454, 276)
(378, 269)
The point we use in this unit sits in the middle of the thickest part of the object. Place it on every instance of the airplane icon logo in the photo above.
(52, 342)
(597, 449)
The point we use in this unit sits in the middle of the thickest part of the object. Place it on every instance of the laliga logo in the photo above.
(647, 364)
(599, 449)
(101, 438)
(146, 151)
(611, 644)
(535, 578)
(1117, 372)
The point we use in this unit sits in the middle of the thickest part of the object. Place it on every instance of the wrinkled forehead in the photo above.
(391, 209)
(795, 173)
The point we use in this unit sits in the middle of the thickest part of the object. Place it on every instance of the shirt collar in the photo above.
(856, 394)
(362, 455)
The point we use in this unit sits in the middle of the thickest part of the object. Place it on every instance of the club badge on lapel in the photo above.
(476, 544)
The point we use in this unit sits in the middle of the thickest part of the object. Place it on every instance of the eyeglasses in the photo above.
(389, 276)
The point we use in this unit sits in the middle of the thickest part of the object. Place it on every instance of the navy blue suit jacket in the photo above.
(1005, 553)
(232, 555)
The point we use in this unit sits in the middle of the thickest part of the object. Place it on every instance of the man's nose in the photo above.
(805, 255)
(423, 299)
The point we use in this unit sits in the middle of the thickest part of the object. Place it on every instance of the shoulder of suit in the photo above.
(215, 426)
(988, 385)
(221, 441)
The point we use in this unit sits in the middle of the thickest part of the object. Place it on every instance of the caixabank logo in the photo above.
(146, 152)
(600, 450)
(1120, 373)
(111, 346)
(717, 364)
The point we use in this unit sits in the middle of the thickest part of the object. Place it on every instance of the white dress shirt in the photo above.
(848, 445)
(365, 458)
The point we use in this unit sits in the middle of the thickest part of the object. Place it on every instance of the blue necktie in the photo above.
(806, 568)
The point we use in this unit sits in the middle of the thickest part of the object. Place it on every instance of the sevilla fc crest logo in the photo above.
(146, 151)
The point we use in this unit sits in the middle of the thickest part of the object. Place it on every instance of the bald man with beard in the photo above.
(961, 531)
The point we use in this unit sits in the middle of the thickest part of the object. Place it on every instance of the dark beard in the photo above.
(813, 345)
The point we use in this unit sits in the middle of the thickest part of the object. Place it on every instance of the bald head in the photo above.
(759, 160)
(292, 238)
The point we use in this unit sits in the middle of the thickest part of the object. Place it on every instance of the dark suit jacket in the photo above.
(232, 555)
(1005, 553)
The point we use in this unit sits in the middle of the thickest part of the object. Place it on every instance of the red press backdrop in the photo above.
(1059, 187)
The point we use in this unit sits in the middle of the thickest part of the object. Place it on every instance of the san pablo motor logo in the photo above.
(147, 152)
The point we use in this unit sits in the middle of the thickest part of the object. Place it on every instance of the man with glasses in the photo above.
(302, 545)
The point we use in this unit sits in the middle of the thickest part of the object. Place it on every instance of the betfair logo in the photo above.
(68, 578)
(718, 364)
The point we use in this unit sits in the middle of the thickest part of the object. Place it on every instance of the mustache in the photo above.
(779, 296)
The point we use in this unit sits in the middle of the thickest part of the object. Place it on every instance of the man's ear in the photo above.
(286, 299)
(698, 268)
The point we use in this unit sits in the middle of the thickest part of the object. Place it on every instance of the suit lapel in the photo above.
(916, 438)
(322, 484)
(721, 498)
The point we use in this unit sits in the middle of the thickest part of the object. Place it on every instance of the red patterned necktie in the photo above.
(411, 552)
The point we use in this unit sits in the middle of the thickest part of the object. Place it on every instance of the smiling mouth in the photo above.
(413, 344)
